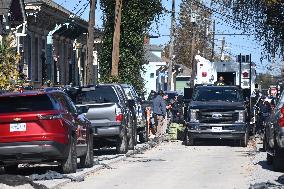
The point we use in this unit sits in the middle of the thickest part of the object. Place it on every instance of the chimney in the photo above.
(146, 40)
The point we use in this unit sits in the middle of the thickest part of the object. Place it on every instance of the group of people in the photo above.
(161, 110)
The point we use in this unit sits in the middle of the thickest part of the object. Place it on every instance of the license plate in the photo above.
(216, 129)
(14, 127)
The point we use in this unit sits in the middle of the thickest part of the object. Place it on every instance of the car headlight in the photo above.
(241, 117)
(193, 115)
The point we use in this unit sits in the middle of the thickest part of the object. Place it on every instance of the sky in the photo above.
(235, 45)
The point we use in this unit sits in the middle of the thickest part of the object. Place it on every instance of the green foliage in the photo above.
(9, 59)
(187, 31)
(264, 18)
(137, 17)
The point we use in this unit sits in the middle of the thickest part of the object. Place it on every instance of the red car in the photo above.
(44, 127)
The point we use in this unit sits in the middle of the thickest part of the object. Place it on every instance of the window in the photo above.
(25, 103)
(217, 94)
(102, 94)
(152, 75)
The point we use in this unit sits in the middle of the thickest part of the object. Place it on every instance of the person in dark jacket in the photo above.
(160, 112)
(177, 110)
(220, 82)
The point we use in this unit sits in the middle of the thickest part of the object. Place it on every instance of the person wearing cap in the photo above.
(160, 112)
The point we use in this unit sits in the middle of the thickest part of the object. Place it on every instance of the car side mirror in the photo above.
(82, 109)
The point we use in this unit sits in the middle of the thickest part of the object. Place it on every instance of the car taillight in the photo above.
(281, 117)
(50, 117)
(119, 117)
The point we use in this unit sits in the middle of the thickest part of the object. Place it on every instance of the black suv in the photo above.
(216, 112)
(273, 140)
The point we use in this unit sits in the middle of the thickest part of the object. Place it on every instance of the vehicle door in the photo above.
(80, 121)
(68, 112)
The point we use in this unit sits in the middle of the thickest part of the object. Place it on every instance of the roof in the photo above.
(51, 3)
(152, 47)
(5, 6)
(151, 57)
(15, 7)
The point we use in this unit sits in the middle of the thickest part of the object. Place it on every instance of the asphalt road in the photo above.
(172, 165)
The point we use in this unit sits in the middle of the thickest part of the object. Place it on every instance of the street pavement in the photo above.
(213, 164)
(171, 165)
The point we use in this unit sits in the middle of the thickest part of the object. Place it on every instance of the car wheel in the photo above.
(11, 169)
(244, 140)
(87, 161)
(269, 159)
(278, 159)
(122, 144)
(189, 140)
(131, 128)
(264, 143)
(69, 165)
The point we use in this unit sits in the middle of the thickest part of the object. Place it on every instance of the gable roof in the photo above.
(5, 6)
(151, 57)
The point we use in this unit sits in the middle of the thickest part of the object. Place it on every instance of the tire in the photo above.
(88, 160)
(278, 159)
(264, 143)
(11, 169)
(132, 134)
(122, 144)
(244, 140)
(269, 159)
(69, 165)
(143, 136)
(189, 140)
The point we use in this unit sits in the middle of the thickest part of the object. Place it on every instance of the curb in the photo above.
(147, 146)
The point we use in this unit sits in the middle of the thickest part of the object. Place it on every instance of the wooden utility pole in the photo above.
(171, 50)
(213, 41)
(116, 38)
(89, 70)
(222, 56)
(193, 65)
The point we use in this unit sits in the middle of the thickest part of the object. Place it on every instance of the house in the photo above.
(54, 48)
(151, 74)
(12, 16)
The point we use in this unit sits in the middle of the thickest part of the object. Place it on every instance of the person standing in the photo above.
(220, 82)
(160, 112)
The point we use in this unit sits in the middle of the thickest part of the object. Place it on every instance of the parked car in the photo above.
(142, 129)
(217, 112)
(40, 126)
(273, 139)
(112, 116)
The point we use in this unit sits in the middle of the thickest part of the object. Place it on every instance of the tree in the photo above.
(116, 38)
(136, 19)
(9, 59)
(192, 36)
(262, 17)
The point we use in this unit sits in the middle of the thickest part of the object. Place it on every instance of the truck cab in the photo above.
(216, 112)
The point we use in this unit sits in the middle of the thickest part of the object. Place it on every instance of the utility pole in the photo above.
(222, 58)
(213, 41)
(193, 66)
(116, 38)
(89, 71)
(171, 50)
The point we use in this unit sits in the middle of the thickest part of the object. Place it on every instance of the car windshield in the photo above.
(32, 103)
(101, 94)
(217, 94)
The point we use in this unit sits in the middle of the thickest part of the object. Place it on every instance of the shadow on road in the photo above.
(264, 165)
(216, 142)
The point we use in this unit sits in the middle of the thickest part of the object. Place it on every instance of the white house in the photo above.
(153, 55)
